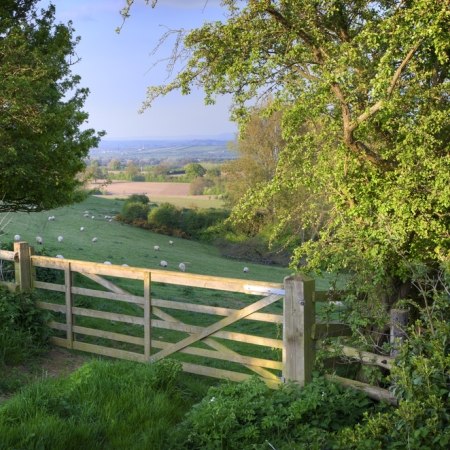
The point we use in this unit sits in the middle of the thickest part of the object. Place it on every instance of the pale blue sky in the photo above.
(117, 68)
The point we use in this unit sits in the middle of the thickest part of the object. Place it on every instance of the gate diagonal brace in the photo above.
(216, 327)
(210, 342)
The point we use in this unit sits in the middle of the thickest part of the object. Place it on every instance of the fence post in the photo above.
(298, 324)
(22, 266)
(68, 282)
(147, 317)
(399, 321)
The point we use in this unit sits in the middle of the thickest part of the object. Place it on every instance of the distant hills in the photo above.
(156, 151)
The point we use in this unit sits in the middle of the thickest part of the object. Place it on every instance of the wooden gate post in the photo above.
(22, 266)
(399, 322)
(298, 323)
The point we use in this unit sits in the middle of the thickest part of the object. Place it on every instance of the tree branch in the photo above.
(379, 104)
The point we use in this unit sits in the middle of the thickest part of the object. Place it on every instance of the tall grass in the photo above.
(114, 405)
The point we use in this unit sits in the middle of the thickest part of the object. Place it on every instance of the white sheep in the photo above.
(86, 214)
(171, 242)
(94, 239)
(245, 270)
(182, 267)
(60, 238)
(156, 247)
(60, 256)
(92, 217)
(17, 237)
(81, 228)
(107, 262)
(124, 265)
(163, 263)
(39, 240)
(51, 218)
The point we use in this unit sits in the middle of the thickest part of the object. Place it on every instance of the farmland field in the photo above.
(175, 193)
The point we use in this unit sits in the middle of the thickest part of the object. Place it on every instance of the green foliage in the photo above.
(42, 146)
(164, 217)
(248, 415)
(112, 405)
(138, 198)
(364, 91)
(134, 211)
(194, 170)
(23, 328)
(420, 380)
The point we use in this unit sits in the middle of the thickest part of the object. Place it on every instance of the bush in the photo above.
(134, 211)
(23, 327)
(164, 217)
(248, 415)
(421, 382)
(138, 198)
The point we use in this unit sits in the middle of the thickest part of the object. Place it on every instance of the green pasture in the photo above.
(124, 244)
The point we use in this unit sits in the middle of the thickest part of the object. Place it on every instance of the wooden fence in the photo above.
(301, 334)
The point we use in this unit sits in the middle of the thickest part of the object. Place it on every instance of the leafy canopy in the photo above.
(42, 147)
(369, 82)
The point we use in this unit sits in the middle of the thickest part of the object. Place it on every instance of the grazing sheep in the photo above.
(163, 263)
(60, 238)
(124, 265)
(156, 247)
(17, 237)
(86, 214)
(182, 267)
(107, 262)
(81, 228)
(60, 256)
(245, 270)
(92, 217)
(94, 239)
(171, 242)
(39, 240)
(51, 218)
(110, 220)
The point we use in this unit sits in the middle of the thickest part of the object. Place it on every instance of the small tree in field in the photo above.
(42, 146)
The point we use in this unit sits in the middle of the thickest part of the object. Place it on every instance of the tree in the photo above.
(194, 170)
(131, 170)
(370, 81)
(42, 147)
(114, 164)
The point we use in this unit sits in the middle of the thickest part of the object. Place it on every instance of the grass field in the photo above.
(123, 244)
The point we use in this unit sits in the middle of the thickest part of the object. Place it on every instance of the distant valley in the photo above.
(158, 151)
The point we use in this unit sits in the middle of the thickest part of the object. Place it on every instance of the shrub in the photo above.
(138, 198)
(23, 327)
(133, 211)
(166, 216)
(421, 382)
(249, 414)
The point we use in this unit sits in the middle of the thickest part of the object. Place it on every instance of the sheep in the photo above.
(51, 218)
(107, 262)
(156, 247)
(81, 228)
(171, 242)
(163, 263)
(60, 238)
(86, 214)
(17, 237)
(92, 217)
(182, 267)
(60, 256)
(39, 240)
(94, 239)
(245, 270)
(124, 265)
